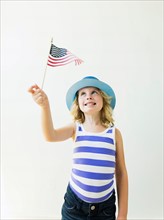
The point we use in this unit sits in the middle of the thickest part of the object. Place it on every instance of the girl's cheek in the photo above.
(79, 103)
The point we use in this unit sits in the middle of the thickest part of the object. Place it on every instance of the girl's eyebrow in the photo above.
(95, 89)
(83, 91)
(80, 93)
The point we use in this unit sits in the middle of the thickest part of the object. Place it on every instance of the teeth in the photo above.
(90, 104)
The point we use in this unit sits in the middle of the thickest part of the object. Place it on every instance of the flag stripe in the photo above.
(61, 61)
(58, 63)
(60, 58)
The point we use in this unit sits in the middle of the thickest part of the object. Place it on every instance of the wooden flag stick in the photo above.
(45, 70)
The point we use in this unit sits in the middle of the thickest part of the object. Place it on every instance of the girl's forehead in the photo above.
(88, 88)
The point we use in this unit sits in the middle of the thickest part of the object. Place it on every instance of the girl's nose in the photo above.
(89, 97)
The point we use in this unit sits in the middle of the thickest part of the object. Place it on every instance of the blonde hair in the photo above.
(105, 113)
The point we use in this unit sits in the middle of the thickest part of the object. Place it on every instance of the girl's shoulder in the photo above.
(118, 135)
(117, 131)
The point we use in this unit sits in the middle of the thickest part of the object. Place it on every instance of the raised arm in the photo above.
(50, 133)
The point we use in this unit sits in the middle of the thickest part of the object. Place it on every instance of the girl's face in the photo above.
(90, 100)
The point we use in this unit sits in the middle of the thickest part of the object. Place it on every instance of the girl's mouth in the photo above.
(90, 103)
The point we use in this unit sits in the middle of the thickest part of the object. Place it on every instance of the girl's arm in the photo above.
(49, 132)
(121, 179)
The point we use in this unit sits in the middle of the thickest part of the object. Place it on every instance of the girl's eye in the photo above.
(82, 94)
(94, 92)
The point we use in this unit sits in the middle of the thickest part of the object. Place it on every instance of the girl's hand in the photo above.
(39, 95)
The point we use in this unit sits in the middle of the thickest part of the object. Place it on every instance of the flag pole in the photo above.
(45, 69)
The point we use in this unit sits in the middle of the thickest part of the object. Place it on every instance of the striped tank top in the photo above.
(93, 164)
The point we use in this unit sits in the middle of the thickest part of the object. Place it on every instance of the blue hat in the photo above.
(89, 81)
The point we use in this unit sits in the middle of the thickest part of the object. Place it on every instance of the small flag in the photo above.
(61, 56)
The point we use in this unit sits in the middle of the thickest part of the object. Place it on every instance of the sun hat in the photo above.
(89, 81)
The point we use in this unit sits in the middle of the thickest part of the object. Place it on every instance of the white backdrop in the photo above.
(120, 43)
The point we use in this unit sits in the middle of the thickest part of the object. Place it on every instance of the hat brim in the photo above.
(89, 82)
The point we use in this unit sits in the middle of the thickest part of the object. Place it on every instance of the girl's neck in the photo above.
(93, 124)
(92, 120)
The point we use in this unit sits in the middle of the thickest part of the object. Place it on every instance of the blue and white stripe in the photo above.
(93, 164)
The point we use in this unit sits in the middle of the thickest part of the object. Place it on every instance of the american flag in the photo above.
(61, 56)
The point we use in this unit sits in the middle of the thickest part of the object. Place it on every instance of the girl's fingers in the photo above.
(39, 99)
(38, 95)
(33, 88)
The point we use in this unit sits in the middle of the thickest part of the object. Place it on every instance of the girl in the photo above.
(98, 156)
